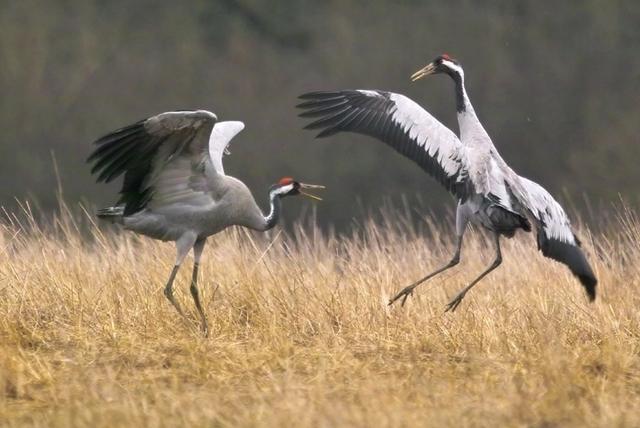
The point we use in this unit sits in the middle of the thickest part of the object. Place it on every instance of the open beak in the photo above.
(310, 186)
(423, 72)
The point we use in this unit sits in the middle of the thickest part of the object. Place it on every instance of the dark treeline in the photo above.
(557, 85)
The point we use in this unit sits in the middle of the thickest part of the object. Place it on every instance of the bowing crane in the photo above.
(175, 188)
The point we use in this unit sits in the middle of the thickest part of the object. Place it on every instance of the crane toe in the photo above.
(455, 302)
(405, 293)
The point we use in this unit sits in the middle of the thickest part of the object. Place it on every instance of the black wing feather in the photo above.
(371, 113)
(131, 151)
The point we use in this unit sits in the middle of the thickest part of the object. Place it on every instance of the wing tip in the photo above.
(208, 114)
(310, 95)
(322, 134)
(326, 129)
(306, 104)
(232, 123)
(306, 113)
(311, 126)
(327, 132)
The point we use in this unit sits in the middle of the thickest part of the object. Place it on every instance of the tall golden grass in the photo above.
(301, 334)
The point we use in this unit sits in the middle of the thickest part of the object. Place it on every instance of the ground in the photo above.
(301, 334)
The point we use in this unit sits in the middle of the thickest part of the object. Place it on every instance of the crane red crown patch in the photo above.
(285, 180)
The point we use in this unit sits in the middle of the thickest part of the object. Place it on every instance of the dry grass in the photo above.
(301, 335)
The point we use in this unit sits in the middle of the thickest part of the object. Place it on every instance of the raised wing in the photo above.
(188, 179)
(555, 236)
(400, 123)
(221, 136)
(164, 155)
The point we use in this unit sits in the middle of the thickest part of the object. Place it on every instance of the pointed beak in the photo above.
(423, 72)
(310, 186)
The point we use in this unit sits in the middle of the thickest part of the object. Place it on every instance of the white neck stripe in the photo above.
(454, 67)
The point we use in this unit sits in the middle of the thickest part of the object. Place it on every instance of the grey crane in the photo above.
(175, 188)
(489, 193)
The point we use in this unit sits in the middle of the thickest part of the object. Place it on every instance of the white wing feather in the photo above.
(186, 180)
(435, 138)
(221, 136)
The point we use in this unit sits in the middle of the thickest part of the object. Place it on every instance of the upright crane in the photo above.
(175, 188)
(489, 193)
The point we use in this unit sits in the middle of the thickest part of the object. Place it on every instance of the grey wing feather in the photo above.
(397, 121)
(556, 239)
(190, 178)
(142, 151)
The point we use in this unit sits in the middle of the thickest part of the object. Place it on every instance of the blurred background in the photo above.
(556, 84)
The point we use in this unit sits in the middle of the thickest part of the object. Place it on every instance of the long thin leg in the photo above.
(408, 290)
(453, 304)
(168, 289)
(463, 214)
(197, 253)
(183, 245)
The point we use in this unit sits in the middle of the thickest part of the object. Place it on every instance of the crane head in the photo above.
(441, 64)
(287, 186)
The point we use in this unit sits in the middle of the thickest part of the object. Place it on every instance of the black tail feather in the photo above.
(574, 258)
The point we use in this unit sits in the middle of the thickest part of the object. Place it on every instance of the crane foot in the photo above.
(174, 302)
(455, 302)
(405, 293)
(205, 328)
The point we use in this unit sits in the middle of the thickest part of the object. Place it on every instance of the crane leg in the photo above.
(455, 302)
(408, 290)
(197, 253)
(183, 245)
(168, 290)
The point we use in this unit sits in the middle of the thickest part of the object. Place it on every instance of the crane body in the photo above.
(489, 193)
(175, 188)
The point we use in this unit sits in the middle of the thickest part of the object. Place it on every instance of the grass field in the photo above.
(301, 334)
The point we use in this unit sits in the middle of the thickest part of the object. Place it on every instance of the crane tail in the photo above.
(112, 214)
(573, 257)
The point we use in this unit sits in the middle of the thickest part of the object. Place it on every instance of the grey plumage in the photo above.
(174, 185)
(379, 114)
(489, 193)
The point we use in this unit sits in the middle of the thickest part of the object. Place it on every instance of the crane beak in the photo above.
(310, 186)
(423, 72)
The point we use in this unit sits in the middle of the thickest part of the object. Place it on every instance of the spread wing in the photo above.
(166, 159)
(555, 235)
(397, 121)
(221, 136)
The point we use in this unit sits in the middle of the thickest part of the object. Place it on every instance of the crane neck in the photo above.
(463, 103)
(468, 121)
(275, 205)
